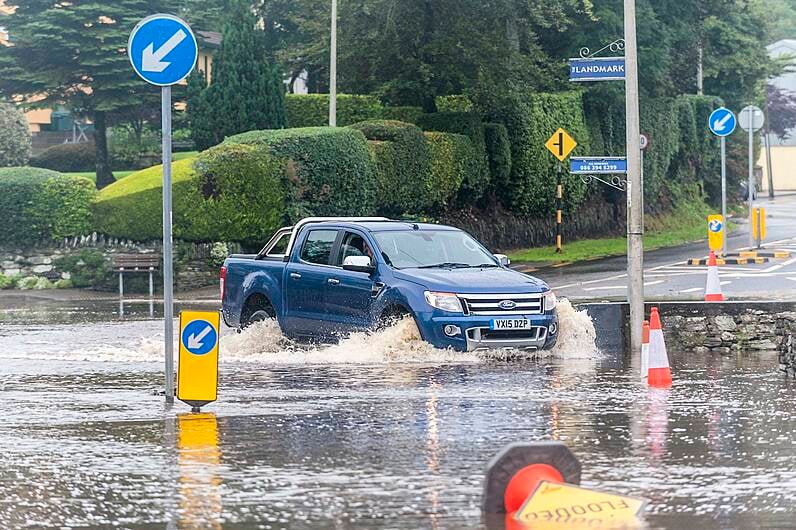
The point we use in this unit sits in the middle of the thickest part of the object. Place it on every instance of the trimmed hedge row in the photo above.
(456, 164)
(530, 119)
(39, 204)
(329, 170)
(312, 110)
(498, 150)
(403, 166)
(227, 193)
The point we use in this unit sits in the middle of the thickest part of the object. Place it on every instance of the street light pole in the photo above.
(635, 215)
(333, 70)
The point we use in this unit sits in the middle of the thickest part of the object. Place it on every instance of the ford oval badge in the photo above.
(507, 304)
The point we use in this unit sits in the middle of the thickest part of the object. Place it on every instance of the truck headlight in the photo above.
(550, 301)
(444, 301)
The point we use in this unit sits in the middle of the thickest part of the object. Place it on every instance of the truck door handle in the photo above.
(295, 275)
(333, 281)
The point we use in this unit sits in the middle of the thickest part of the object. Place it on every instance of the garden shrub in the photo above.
(14, 136)
(312, 110)
(329, 170)
(227, 193)
(454, 162)
(87, 268)
(37, 283)
(404, 168)
(6, 282)
(67, 158)
(40, 205)
(63, 284)
(498, 149)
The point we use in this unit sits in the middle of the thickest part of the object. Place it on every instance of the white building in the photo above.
(783, 152)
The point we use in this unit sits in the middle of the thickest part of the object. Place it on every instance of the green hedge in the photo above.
(405, 114)
(402, 168)
(312, 110)
(39, 205)
(67, 158)
(227, 193)
(498, 149)
(455, 161)
(470, 125)
(530, 120)
(329, 170)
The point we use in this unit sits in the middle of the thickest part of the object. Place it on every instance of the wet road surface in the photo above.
(385, 438)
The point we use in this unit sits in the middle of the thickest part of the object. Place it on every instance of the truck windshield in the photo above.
(433, 249)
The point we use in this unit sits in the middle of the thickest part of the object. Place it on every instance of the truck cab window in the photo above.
(317, 248)
(353, 245)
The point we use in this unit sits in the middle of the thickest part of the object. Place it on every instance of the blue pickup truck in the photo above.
(326, 277)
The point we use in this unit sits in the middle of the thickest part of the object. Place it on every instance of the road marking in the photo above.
(605, 288)
(647, 284)
(791, 278)
(725, 283)
(693, 290)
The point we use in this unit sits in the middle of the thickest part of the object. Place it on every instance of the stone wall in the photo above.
(725, 328)
(196, 264)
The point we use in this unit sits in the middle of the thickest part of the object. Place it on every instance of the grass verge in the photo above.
(684, 225)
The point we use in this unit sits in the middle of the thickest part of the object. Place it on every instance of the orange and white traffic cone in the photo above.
(659, 374)
(713, 289)
(645, 349)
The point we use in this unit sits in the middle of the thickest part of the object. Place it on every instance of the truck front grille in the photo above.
(490, 304)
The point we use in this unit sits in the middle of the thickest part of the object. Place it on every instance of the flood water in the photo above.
(377, 432)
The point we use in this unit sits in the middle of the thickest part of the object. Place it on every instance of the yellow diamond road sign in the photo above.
(571, 505)
(561, 144)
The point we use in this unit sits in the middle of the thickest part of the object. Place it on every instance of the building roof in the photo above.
(209, 38)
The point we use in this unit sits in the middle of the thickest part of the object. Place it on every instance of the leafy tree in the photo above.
(14, 136)
(781, 110)
(246, 90)
(74, 53)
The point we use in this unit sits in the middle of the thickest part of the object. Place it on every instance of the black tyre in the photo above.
(257, 309)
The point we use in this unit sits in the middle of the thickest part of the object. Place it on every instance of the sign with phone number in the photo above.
(598, 165)
(571, 505)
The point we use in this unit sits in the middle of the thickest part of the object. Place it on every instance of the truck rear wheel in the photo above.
(257, 309)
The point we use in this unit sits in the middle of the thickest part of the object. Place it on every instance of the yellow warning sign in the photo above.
(571, 505)
(716, 232)
(197, 372)
(561, 144)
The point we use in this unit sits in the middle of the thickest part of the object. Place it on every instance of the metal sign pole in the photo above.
(635, 244)
(751, 175)
(724, 193)
(333, 69)
(168, 257)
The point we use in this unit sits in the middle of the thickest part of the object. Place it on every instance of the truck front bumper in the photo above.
(471, 333)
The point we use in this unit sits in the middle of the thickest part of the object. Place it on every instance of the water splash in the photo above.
(142, 341)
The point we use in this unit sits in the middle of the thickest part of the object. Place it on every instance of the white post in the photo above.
(333, 70)
(724, 194)
(168, 258)
(635, 243)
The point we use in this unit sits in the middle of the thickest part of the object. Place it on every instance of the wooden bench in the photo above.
(131, 263)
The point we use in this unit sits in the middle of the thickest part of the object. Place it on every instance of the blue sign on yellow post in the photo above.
(715, 232)
(197, 373)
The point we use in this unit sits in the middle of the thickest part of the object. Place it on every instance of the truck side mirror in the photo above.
(358, 264)
(503, 259)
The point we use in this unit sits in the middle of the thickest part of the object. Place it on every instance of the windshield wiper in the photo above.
(485, 266)
(446, 265)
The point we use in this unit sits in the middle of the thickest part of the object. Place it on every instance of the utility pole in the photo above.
(333, 70)
(635, 243)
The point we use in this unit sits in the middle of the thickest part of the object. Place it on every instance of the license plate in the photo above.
(509, 323)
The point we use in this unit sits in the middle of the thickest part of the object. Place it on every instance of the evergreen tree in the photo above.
(74, 53)
(246, 90)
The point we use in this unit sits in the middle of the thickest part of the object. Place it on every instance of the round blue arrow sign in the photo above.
(162, 49)
(199, 337)
(715, 226)
(722, 122)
